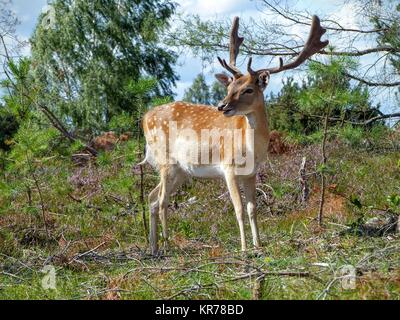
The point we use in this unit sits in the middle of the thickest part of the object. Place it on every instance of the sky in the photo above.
(188, 67)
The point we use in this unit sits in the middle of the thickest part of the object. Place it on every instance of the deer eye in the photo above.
(248, 91)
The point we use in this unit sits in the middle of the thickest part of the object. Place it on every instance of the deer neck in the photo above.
(257, 120)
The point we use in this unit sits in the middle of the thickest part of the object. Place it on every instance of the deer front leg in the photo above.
(249, 186)
(234, 191)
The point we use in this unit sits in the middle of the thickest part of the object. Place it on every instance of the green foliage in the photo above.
(283, 109)
(377, 137)
(141, 88)
(218, 93)
(391, 36)
(185, 228)
(161, 100)
(104, 159)
(199, 36)
(353, 136)
(32, 146)
(330, 90)
(123, 179)
(85, 60)
(20, 110)
(394, 200)
(75, 147)
(199, 92)
(8, 127)
(356, 201)
(20, 90)
(122, 123)
(17, 103)
(141, 97)
(302, 139)
(5, 189)
(300, 108)
(9, 245)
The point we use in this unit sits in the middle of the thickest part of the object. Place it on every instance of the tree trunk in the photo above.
(323, 178)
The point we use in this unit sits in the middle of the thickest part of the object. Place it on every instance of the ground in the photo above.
(95, 237)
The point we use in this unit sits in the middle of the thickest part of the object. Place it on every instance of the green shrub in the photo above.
(353, 136)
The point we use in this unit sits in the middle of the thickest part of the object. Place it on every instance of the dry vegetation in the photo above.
(96, 239)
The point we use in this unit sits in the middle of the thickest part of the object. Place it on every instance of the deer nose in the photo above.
(221, 106)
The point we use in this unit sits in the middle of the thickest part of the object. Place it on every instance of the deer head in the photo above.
(245, 91)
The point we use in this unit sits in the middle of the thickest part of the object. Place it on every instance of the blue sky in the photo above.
(188, 67)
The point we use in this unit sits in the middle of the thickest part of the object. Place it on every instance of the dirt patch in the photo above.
(334, 206)
(69, 253)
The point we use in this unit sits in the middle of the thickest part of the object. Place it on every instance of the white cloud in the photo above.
(346, 16)
(207, 8)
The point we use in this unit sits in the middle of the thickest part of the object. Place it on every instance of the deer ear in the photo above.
(263, 80)
(224, 79)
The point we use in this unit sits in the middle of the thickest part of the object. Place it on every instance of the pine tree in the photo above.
(199, 92)
(85, 53)
(298, 107)
(218, 92)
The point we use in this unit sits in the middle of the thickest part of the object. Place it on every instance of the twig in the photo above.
(146, 229)
(85, 253)
(324, 292)
(258, 286)
(12, 275)
(242, 277)
(41, 204)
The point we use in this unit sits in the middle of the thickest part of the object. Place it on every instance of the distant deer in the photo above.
(180, 145)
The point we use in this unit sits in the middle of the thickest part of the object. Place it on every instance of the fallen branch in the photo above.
(77, 257)
(258, 275)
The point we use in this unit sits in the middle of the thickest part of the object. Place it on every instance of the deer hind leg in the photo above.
(249, 186)
(154, 207)
(234, 191)
(171, 179)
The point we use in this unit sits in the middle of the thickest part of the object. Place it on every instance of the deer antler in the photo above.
(235, 43)
(312, 46)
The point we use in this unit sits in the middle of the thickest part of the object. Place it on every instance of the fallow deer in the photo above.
(173, 131)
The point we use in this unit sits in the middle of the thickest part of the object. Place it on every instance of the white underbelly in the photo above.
(202, 171)
(191, 164)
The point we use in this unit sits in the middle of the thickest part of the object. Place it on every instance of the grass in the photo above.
(97, 243)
